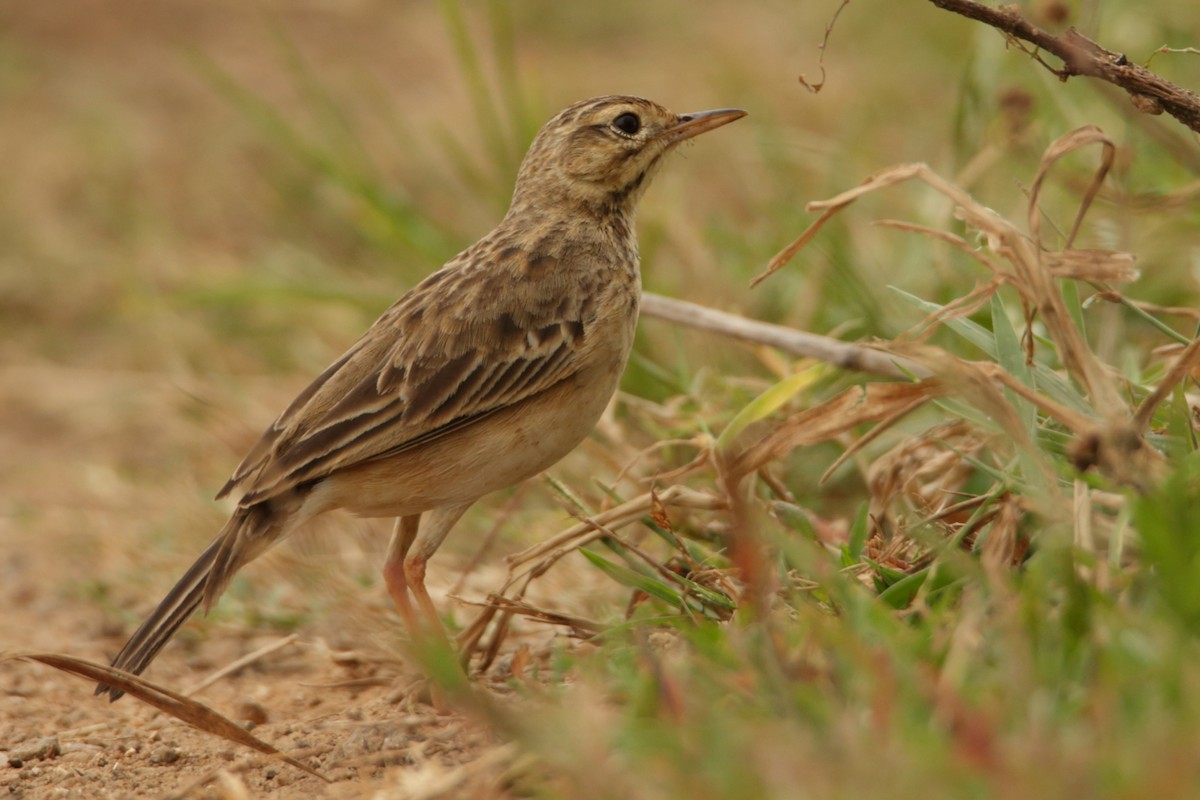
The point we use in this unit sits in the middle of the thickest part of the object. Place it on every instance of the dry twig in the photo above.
(1080, 55)
(240, 663)
(798, 343)
(526, 566)
(815, 88)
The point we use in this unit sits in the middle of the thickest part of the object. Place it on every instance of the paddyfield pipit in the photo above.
(487, 372)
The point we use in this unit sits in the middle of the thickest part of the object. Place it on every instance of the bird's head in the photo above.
(600, 154)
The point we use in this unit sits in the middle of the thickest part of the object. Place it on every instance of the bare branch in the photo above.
(1080, 55)
(798, 343)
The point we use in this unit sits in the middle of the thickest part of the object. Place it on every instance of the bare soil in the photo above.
(338, 694)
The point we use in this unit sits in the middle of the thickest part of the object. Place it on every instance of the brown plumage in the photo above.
(487, 372)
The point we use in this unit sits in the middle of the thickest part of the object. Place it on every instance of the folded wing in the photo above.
(440, 358)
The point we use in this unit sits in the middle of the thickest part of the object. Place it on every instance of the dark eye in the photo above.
(627, 123)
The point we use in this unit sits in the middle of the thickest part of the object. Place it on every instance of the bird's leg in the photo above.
(414, 572)
(404, 571)
(403, 536)
(438, 523)
(410, 549)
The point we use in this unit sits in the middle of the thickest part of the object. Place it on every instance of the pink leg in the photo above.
(418, 547)
(404, 571)
(414, 573)
(394, 568)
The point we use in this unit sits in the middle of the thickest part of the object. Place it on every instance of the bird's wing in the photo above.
(456, 348)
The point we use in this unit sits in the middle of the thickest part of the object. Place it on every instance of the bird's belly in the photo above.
(497, 451)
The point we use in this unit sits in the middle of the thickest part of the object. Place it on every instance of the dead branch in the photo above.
(798, 343)
(1080, 55)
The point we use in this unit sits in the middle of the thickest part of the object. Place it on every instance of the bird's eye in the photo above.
(627, 123)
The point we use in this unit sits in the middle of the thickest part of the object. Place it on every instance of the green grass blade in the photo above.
(768, 402)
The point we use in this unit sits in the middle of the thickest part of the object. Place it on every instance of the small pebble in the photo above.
(164, 755)
(250, 710)
(39, 749)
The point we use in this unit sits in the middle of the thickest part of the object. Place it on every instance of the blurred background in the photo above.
(203, 202)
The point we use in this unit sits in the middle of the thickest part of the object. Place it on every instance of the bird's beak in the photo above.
(690, 125)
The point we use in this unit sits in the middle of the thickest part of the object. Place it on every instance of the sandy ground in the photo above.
(338, 694)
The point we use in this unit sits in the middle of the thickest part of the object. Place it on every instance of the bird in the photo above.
(487, 372)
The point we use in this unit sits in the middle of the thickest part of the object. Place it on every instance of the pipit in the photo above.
(487, 372)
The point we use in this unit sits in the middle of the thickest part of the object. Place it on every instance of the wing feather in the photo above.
(441, 357)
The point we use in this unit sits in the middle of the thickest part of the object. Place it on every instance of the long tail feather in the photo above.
(242, 538)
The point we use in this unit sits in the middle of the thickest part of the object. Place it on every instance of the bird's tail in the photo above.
(247, 534)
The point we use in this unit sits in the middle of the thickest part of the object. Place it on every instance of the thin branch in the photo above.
(790, 340)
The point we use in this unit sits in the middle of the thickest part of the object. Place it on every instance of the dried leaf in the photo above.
(182, 708)
(851, 408)
(1100, 266)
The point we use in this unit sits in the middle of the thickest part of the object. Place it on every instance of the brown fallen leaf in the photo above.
(182, 708)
